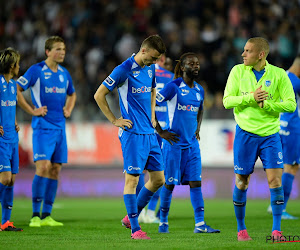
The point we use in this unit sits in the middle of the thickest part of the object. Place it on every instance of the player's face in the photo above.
(191, 66)
(168, 64)
(251, 54)
(150, 56)
(58, 52)
(16, 68)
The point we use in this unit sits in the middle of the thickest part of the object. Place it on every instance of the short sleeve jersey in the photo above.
(162, 77)
(8, 98)
(183, 106)
(49, 89)
(291, 121)
(134, 85)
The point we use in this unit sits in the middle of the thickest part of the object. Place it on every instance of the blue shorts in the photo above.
(291, 147)
(159, 139)
(181, 164)
(50, 144)
(9, 157)
(248, 147)
(140, 151)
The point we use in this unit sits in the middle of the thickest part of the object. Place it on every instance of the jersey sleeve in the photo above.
(117, 76)
(202, 93)
(287, 95)
(70, 89)
(231, 97)
(296, 85)
(29, 78)
(167, 93)
(153, 76)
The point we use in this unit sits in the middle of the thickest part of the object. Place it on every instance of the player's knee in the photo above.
(6, 181)
(274, 182)
(54, 173)
(42, 170)
(158, 182)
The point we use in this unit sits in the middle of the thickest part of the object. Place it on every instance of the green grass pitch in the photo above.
(95, 224)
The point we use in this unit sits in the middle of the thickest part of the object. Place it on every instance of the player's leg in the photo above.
(165, 204)
(287, 182)
(245, 151)
(152, 207)
(143, 216)
(59, 156)
(272, 159)
(7, 179)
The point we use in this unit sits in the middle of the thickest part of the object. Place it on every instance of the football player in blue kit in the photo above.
(290, 139)
(182, 159)
(163, 76)
(53, 96)
(9, 139)
(135, 80)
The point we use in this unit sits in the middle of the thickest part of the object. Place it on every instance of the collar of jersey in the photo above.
(266, 67)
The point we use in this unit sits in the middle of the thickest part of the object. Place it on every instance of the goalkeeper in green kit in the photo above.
(258, 92)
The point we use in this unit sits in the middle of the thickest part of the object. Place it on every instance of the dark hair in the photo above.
(8, 58)
(177, 71)
(51, 40)
(155, 42)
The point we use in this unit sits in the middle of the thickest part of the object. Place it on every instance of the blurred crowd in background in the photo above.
(100, 34)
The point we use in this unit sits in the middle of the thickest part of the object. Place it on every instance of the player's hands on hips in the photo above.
(67, 113)
(1, 131)
(17, 127)
(122, 123)
(42, 111)
(169, 136)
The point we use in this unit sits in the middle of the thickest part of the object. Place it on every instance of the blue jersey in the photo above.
(162, 77)
(49, 89)
(134, 85)
(183, 106)
(291, 121)
(8, 96)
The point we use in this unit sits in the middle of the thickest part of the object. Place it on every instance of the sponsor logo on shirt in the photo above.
(8, 103)
(22, 80)
(55, 90)
(109, 81)
(37, 155)
(236, 167)
(142, 89)
(3, 167)
(133, 168)
(187, 108)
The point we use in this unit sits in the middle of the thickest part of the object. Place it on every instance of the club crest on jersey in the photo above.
(135, 73)
(12, 89)
(150, 73)
(198, 96)
(61, 78)
(109, 81)
(268, 83)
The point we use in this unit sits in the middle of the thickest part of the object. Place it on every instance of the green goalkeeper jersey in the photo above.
(239, 90)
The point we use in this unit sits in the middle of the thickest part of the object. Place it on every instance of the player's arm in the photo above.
(231, 97)
(153, 104)
(42, 111)
(287, 95)
(17, 125)
(69, 106)
(100, 98)
(199, 121)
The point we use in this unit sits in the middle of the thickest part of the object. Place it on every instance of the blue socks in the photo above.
(143, 199)
(197, 203)
(7, 203)
(50, 194)
(140, 184)
(277, 202)
(239, 202)
(165, 203)
(287, 183)
(153, 202)
(38, 191)
(131, 207)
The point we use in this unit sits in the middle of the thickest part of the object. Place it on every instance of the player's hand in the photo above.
(261, 104)
(1, 131)
(260, 95)
(169, 136)
(42, 111)
(198, 134)
(122, 123)
(153, 121)
(67, 113)
(17, 127)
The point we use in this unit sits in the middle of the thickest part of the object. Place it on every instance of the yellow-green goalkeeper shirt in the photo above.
(239, 90)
